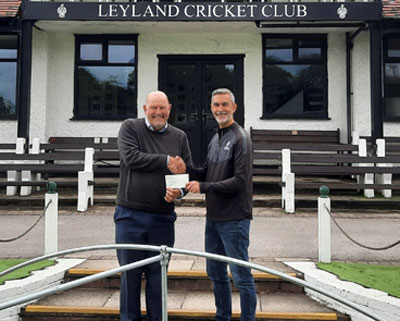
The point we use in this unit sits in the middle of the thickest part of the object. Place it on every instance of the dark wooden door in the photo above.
(189, 81)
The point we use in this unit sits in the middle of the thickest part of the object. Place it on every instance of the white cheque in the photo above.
(176, 181)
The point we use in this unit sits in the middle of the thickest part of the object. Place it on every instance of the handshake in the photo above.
(176, 165)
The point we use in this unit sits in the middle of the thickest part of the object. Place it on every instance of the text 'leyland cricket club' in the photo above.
(216, 11)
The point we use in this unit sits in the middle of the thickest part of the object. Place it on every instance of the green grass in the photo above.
(22, 272)
(380, 277)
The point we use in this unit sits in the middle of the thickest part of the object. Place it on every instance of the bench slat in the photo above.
(294, 139)
(348, 186)
(78, 140)
(72, 146)
(305, 147)
(43, 168)
(56, 156)
(342, 170)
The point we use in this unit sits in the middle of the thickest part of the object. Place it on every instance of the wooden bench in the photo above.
(267, 146)
(101, 161)
(37, 168)
(295, 136)
(70, 162)
(343, 166)
(106, 157)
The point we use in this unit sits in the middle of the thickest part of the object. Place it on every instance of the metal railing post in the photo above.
(51, 220)
(164, 282)
(324, 226)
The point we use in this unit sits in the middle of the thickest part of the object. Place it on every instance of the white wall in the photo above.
(51, 113)
(39, 90)
(53, 80)
(361, 100)
(8, 131)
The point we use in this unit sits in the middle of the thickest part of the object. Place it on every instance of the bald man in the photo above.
(149, 149)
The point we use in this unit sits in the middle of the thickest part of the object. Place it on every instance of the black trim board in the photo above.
(202, 11)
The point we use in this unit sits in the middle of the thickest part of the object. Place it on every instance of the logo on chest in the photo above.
(227, 146)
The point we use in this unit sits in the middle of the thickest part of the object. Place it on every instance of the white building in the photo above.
(291, 65)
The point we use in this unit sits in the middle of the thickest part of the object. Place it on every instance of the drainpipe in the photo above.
(349, 46)
(24, 110)
(376, 80)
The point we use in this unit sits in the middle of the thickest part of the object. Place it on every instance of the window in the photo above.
(8, 76)
(105, 77)
(295, 76)
(391, 58)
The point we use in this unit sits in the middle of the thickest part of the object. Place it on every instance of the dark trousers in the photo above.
(138, 227)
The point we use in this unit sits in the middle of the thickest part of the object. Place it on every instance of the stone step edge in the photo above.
(182, 274)
(182, 313)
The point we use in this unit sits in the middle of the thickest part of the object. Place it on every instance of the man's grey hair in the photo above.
(222, 91)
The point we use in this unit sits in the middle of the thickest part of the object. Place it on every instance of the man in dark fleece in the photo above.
(226, 180)
(149, 149)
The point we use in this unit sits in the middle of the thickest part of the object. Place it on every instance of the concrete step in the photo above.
(103, 304)
(192, 281)
(190, 296)
(188, 275)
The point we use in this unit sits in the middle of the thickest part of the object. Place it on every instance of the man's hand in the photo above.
(176, 165)
(172, 194)
(193, 187)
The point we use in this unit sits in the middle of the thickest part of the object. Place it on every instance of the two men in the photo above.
(149, 149)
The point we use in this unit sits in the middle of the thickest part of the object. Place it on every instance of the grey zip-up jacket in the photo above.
(226, 178)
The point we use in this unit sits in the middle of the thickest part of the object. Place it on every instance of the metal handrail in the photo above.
(163, 258)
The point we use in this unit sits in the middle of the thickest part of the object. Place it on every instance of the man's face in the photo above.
(223, 109)
(157, 110)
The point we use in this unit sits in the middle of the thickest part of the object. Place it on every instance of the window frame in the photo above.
(323, 61)
(17, 60)
(103, 39)
(386, 59)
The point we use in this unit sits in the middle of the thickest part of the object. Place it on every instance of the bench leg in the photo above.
(289, 193)
(384, 179)
(26, 176)
(38, 179)
(85, 191)
(368, 179)
(12, 176)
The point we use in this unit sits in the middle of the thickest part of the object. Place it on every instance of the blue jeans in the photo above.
(138, 227)
(231, 239)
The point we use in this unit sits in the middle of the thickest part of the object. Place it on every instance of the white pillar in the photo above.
(86, 190)
(385, 178)
(51, 221)
(27, 176)
(324, 227)
(15, 176)
(367, 178)
(289, 193)
(286, 169)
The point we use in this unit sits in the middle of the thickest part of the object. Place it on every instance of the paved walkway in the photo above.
(275, 236)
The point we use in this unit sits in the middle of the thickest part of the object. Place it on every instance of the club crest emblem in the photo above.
(342, 12)
(62, 11)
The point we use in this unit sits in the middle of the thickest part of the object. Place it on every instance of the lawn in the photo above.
(23, 272)
(380, 277)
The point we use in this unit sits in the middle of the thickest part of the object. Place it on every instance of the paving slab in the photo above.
(195, 301)
(185, 264)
